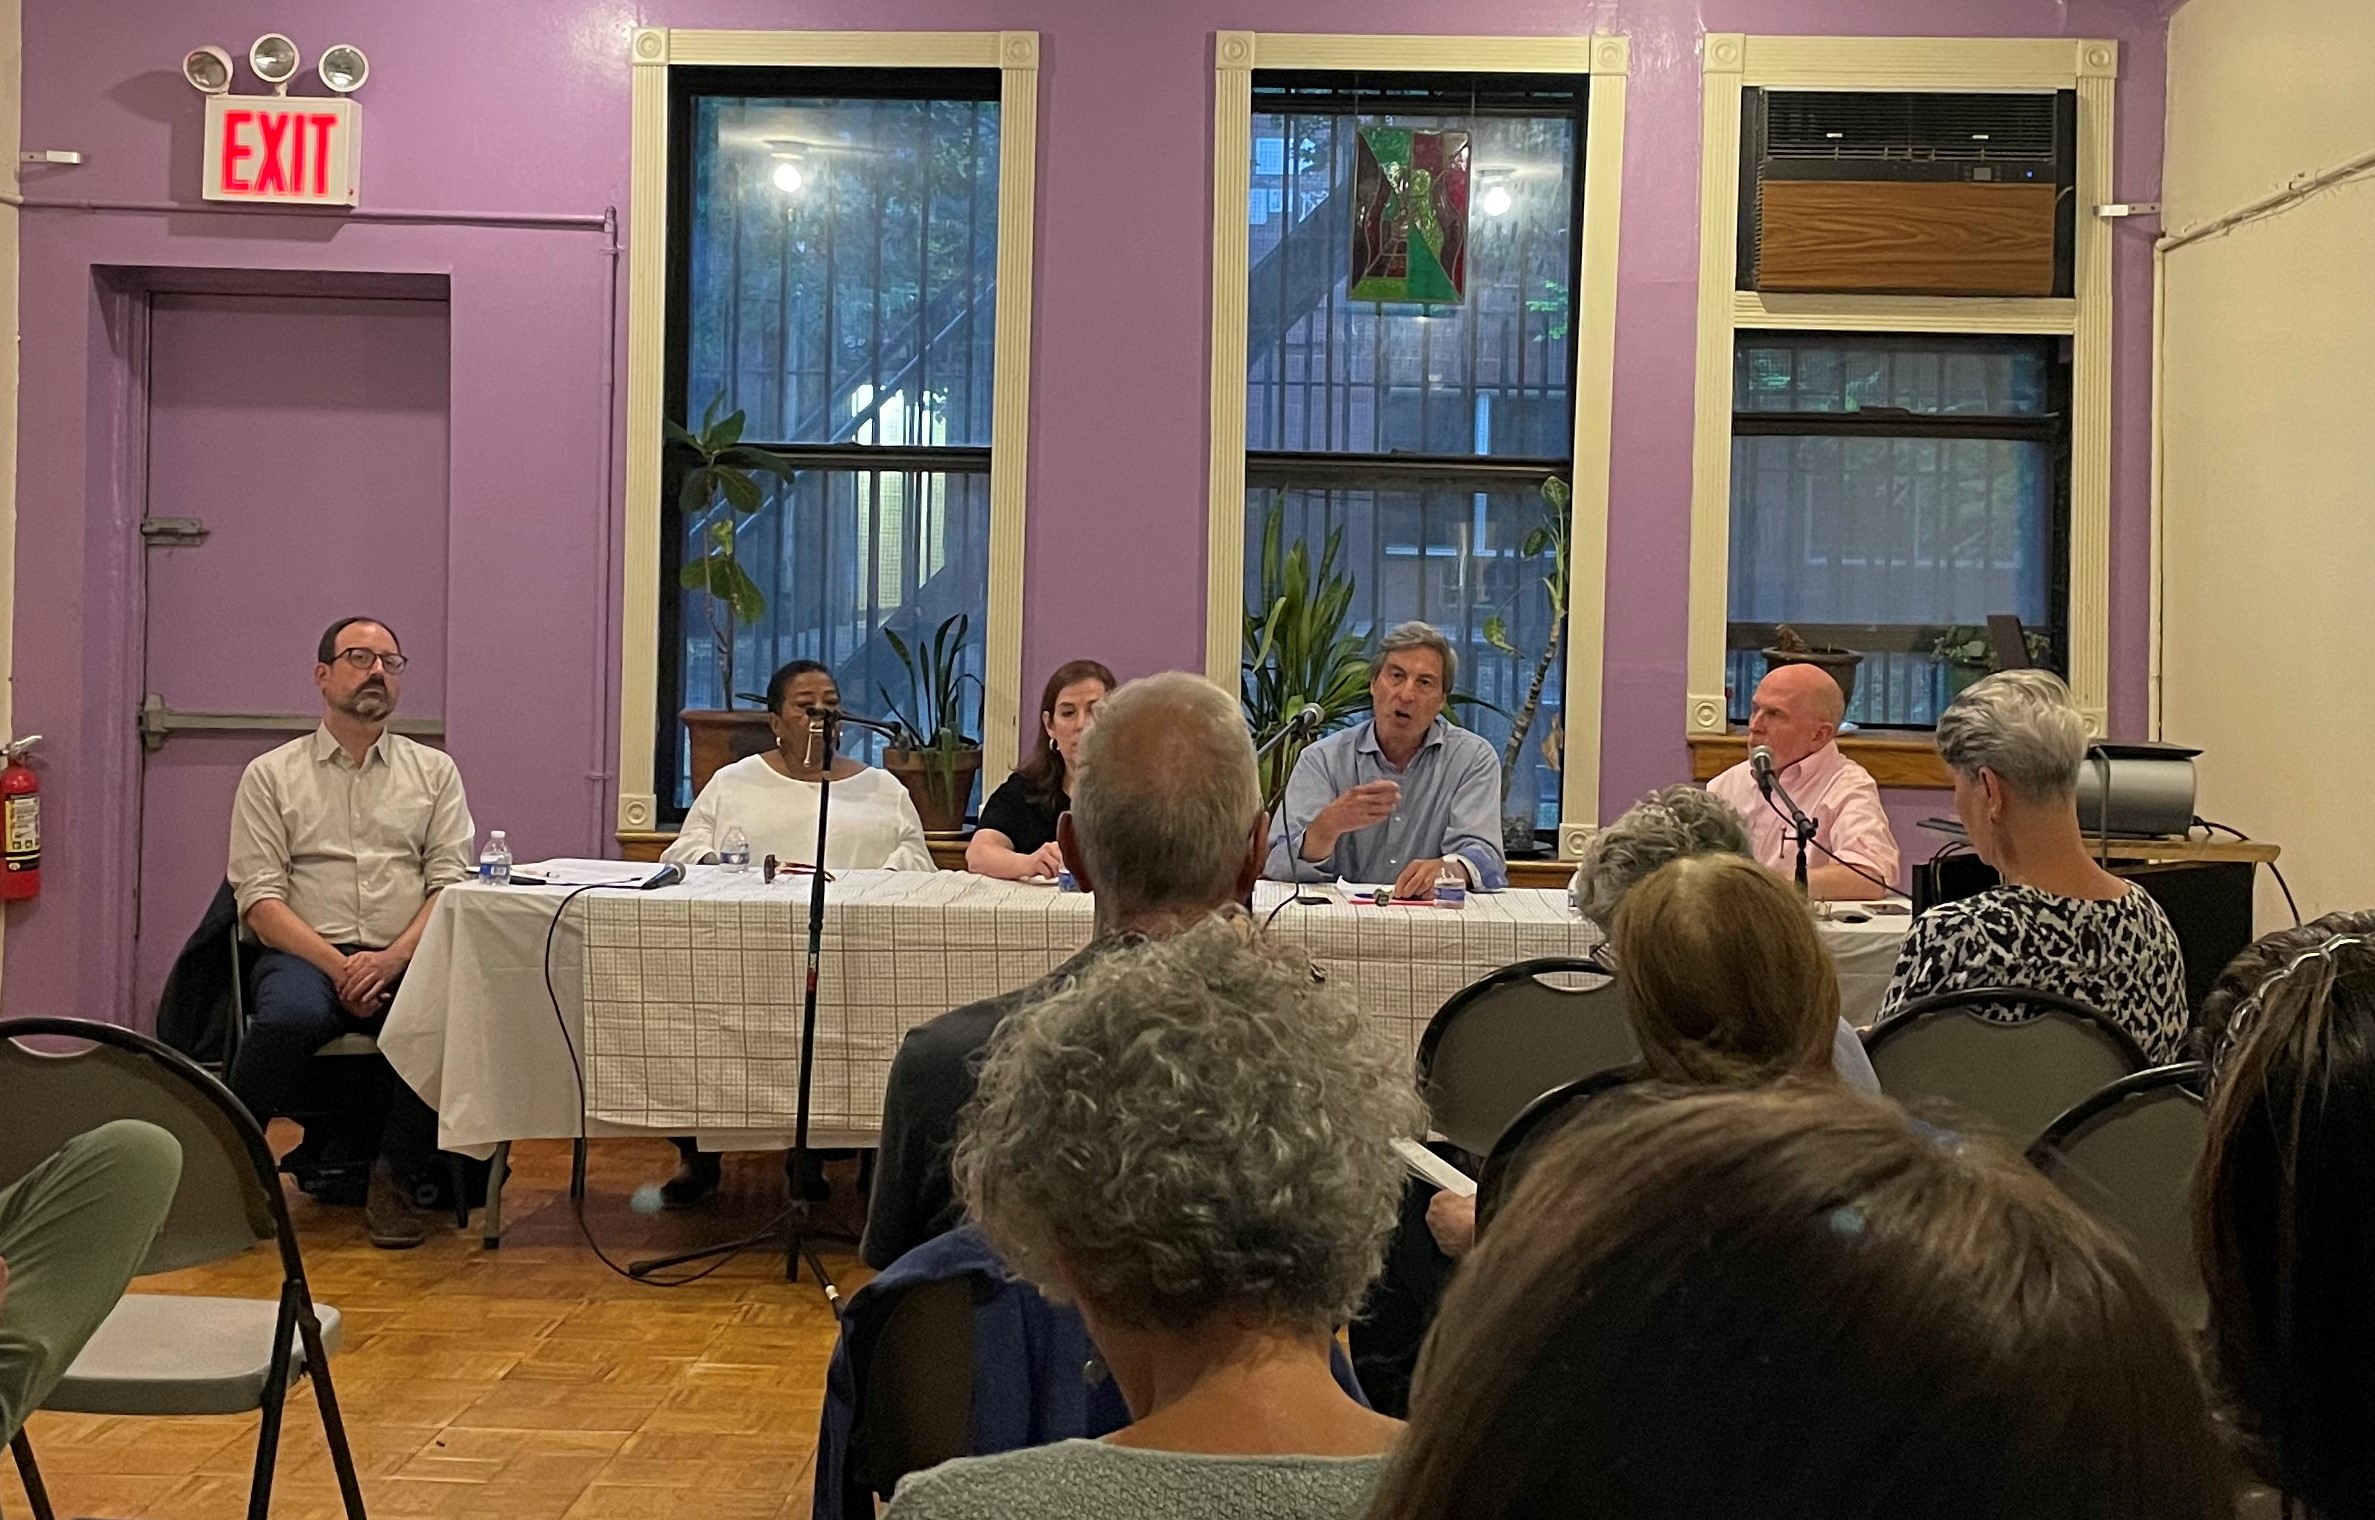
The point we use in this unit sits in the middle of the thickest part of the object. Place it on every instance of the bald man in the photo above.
(1796, 715)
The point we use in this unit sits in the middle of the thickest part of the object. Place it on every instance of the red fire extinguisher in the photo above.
(20, 823)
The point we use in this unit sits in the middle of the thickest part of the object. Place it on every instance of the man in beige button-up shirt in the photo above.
(340, 842)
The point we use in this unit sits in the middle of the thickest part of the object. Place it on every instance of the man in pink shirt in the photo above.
(1796, 715)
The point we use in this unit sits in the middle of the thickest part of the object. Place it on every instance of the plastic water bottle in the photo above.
(494, 862)
(733, 851)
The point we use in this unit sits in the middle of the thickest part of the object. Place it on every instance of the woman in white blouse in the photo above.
(772, 797)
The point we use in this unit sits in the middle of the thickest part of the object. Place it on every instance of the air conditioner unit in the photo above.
(1945, 194)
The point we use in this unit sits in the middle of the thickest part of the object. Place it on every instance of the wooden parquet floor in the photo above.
(526, 1383)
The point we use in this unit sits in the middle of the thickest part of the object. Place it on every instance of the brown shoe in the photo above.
(389, 1217)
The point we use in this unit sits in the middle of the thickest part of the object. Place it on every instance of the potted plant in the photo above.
(719, 492)
(1550, 536)
(1969, 654)
(1297, 649)
(1790, 648)
(932, 755)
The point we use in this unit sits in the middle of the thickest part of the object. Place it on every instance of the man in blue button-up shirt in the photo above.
(1402, 796)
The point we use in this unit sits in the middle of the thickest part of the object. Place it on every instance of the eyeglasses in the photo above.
(364, 659)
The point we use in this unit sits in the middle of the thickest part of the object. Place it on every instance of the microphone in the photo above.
(836, 715)
(1307, 721)
(1760, 765)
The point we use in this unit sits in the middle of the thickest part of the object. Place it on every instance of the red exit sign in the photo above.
(273, 148)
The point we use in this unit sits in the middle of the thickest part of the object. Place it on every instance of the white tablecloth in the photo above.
(684, 1004)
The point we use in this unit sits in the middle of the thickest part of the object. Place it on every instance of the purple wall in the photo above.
(528, 114)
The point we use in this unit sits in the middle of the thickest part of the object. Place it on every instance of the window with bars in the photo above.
(832, 271)
(1889, 495)
(1424, 433)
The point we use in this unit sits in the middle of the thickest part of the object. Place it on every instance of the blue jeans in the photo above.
(293, 1011)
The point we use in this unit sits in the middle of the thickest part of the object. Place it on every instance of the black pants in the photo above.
(1401, 1305)
(293, 1011)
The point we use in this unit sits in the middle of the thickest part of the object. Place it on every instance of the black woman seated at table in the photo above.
(772, 796)
(1016, 838)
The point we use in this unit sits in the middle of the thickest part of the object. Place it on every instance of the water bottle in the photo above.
(733, 850)
(1451, 888)
(494, 862)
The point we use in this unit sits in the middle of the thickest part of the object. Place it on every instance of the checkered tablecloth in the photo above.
(681, 1008)
(692, 998)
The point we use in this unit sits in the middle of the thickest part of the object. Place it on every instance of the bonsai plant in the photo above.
(1297, 650)
(1968, 654)
(1550, 536)
(932, 755)
(720, 490)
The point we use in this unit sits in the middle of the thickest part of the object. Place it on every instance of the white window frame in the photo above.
(1605, 59)
(654, 51)
(1732, 62)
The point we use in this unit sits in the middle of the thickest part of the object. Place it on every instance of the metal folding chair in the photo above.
(2014, 1078)
(1503, 1041)
(2127, 1155)
(173, 1354)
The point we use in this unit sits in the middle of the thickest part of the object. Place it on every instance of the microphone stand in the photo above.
(1301, 723)
(1800, 825)
(824, 723)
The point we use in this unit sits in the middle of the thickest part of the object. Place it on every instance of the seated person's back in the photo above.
(1192, 1142)
(1798, 1305)
(1165, 828)
(2058, 922)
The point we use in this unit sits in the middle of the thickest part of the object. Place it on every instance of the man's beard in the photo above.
(370, 703)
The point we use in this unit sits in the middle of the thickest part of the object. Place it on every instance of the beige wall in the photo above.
(2268, 434)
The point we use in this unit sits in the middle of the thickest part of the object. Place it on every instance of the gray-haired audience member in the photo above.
(1402, 797)
(1193, 1142)
(2059, 922)
(1165, 828)
(1672, 824)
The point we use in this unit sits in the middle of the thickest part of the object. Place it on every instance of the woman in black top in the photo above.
(1017, 835)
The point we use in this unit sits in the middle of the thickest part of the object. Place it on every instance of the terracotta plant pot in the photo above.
(721, 737)
(941, 784)
(1840, 663)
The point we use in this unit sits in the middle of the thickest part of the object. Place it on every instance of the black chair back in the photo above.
(2127, 1155)
(2013, 1077)
(1503, 1041)
(914, 1385)
(1526, 1134)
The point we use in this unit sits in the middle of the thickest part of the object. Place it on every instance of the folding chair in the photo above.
(2127, 1155)
(2015, 1078)
(1505, 1040)
(168, 1353)
(1543, 1117)
(915, 1386)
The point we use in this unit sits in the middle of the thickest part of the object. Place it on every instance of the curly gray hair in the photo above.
(2023, 725)
(1192, 1125)
(1667, 825)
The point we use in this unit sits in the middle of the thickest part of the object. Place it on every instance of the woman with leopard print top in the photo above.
(2059, 922)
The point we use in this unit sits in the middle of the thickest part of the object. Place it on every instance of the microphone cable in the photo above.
(1826, 849)
(577, 1204)
(2273, 869)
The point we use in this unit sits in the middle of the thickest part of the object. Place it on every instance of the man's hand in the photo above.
(1048, 860)
(1417, 881)
(364, 983)
(1366, 805)
(1451, 1219)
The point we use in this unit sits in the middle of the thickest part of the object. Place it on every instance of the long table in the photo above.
(679, 1009)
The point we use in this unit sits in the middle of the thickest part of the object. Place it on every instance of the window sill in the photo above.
(1909, 763)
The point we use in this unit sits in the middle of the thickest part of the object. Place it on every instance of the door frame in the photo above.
(115, 581)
